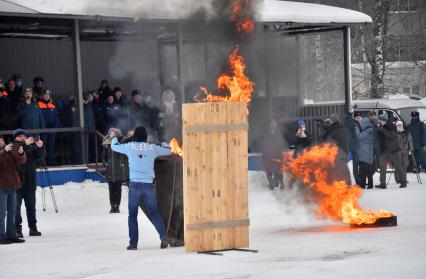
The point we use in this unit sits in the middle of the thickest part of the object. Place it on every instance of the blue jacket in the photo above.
(366, 141)
(418, 134)
(30, 116)
(89, 117)
(50, 114)
(141, 156)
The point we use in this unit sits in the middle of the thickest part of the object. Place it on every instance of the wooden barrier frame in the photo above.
(215, 163)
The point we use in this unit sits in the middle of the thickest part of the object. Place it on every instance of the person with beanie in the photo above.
(303, 139)
(418, 133)
(34, 151)
(141, 156)
(390, 151)
(352, 124)
(117, 171)
(10, 159)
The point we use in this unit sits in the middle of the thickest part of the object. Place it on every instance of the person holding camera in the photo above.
(34, 151)
(117, 169)
(303, 139)
(390, 151)
(11, 156)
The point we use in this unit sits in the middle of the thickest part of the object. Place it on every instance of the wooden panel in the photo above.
(215, 164)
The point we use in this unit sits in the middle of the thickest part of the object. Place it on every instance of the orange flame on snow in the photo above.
(238, 86)
(175, 147)
(336, 199)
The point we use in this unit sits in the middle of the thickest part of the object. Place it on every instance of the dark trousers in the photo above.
(49, 143)
(114, 193)
(365, 172)
(275, 179)
(146, 193)
(29, 197)
(355, 166)
(7, 214)
(420, 160)
(395, 159)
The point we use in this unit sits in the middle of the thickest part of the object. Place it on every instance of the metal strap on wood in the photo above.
(219, 224)
(216, 128)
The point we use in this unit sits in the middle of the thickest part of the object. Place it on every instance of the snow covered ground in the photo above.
(84, 241)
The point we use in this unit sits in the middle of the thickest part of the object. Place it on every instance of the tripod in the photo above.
(43, 166)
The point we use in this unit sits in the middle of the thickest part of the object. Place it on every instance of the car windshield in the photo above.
(406, 113)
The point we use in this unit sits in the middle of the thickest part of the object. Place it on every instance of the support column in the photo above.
(179, 50)
(79, 83)
(347, 57)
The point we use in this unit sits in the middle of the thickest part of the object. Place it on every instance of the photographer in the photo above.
(303, 139)
(33, 148)
(390, 151)
(11, 156)
(117, 169)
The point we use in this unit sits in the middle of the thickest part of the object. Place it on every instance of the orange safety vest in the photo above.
(43, 105)
(4, 94)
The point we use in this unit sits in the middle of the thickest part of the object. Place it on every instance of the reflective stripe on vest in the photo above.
(43, 105)
(4, 94)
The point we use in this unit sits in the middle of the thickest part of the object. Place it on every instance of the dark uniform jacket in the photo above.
(27, 171)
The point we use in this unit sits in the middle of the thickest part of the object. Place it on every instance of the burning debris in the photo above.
(335, 199)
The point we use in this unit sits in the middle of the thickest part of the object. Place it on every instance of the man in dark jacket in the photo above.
(112, 113)
(338, 134)
(272, 146)
(417, 131)
(89, 124)
(372, 115)
(352, 123)
(104, 91)
(51, 120)
(10, 159)
(390, 151)
(34, 152)
(29, 113)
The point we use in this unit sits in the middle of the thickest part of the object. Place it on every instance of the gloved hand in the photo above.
(165, 145)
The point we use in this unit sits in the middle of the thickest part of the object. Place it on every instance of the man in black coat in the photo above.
(390, 151)
(338, 134)
(418, 133)
(34, 151)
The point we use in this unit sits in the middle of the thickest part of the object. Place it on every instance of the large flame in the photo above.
(336, 199)
(238, 86)
(175, 147)
(234, 86)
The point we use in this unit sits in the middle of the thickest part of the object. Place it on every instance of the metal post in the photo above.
(299, 73)
(268, 76)
(179, 50)
(78, 68)
(347, 65)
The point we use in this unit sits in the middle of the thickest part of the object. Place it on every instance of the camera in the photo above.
(15, 147)
(36, 138)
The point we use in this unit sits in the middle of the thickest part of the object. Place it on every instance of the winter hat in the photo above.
(140, 134)
(136, 92)
(383, 117)
(357, 113)
(18, 132)
(301, 122)
(37, 79)
(398, 123)
(371, 113)
(112, 129)
(415, 113)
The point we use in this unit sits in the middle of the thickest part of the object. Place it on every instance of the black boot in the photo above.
(380, 186)
(117, 208)
(19, 232)
(164, 242)
(16, 240)
(403, 185)
(5, 241)
(34, 231)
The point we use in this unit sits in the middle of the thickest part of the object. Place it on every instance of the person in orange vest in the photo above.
(5, 109)
(51, 120)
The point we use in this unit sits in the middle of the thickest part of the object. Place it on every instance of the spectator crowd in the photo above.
(37, 107)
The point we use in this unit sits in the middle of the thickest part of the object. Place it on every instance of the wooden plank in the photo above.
(215, 176)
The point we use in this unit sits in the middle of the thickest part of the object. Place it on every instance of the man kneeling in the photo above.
(141, 156)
